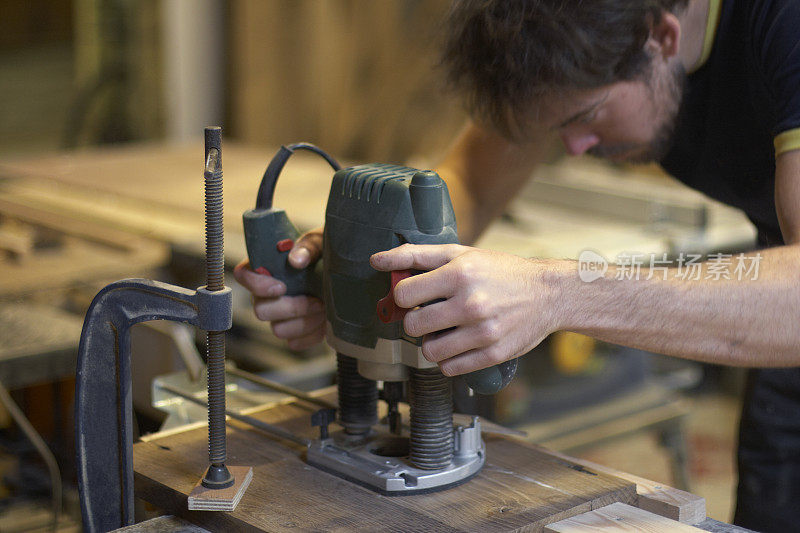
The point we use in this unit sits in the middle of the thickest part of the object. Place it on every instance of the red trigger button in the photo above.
(262, 270)
(388, 310)
(285, 245)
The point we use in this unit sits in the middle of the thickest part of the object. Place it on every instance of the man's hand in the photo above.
(298, 319)
(500, 305)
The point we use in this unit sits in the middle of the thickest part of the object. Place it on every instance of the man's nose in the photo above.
(578, 143)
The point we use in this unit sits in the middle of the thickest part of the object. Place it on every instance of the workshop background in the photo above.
(125, 89)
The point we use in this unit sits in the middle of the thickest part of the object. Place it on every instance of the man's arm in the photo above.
(502, 305)
(743, 323)
(483, 172)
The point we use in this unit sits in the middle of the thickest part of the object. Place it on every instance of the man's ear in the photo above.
(665, 36)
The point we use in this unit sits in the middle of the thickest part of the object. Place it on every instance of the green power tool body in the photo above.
(373, 208)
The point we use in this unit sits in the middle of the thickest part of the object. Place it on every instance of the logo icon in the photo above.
(591, 266)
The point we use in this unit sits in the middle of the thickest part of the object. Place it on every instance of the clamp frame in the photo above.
(103, 404)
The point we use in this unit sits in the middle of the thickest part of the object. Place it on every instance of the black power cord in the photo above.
(267, 189)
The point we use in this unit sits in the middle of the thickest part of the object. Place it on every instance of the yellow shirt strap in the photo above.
(787, 141)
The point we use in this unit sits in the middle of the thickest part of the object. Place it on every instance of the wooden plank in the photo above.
(519, 487)
(72, 247)
(618, 517)
(715, 526)
(31, 353)
(163, 524)
(656, 406)
(654, 497)
(668, 501)
(156, 191)
(641, 207)
(611, 418)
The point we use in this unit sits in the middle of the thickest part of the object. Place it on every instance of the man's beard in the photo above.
(664, 136)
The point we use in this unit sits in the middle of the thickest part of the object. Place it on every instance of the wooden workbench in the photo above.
(520, 487)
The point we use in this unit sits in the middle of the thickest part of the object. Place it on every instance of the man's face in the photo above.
(630, 121)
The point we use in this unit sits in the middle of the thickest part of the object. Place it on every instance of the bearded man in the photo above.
(708, 89)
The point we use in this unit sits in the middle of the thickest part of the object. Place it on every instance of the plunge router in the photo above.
(372, 208)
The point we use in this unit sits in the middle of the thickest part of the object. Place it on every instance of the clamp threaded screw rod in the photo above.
(217, 476)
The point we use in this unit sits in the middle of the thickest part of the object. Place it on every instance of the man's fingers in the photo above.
(416, 256)
(286, 307)
(438, 347)
(307, 341)
(260, 285)
(469, 362)
(298, 327)
(307, 249)
(431, 318)
(423, 288)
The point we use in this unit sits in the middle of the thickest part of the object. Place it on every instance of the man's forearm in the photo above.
(483, 172)
(747, 322)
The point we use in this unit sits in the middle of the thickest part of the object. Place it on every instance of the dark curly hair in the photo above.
(502, 54)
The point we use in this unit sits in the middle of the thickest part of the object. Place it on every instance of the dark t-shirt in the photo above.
(742, 108)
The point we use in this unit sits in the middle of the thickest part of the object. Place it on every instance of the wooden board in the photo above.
(156, 191)
(39, 344)
(620, 416)
(655, 497)
(619, 517)
(520, 486)
(74, 250)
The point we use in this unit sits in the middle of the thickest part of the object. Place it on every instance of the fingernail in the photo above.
(300, 257)
(277, 290)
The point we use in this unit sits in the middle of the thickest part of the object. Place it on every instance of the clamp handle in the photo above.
(489, 380)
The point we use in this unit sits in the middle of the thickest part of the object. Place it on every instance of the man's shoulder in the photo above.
(771, 21)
